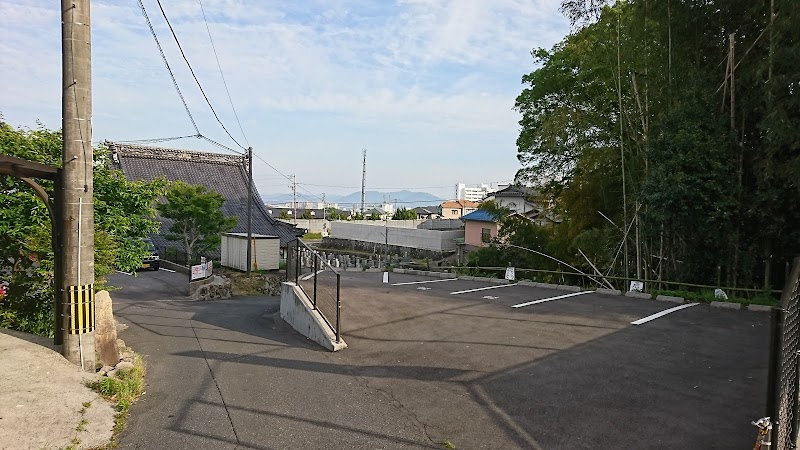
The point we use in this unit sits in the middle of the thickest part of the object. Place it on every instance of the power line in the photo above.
(213, 47)
(164, 58)
(157, 140)
(175, 36)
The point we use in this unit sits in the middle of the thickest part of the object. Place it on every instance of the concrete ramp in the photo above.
(298, 311)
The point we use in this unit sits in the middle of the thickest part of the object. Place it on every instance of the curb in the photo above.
(605, 291)
(527, 283)
(669, 298)
(466, 278)
(634, 294)
(546, 285)
(566, 287)
(760, 308)
(726, 305)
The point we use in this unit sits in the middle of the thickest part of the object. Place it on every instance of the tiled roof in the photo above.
(480, 216)
(460, 204)
(225, 174)
(515, 191)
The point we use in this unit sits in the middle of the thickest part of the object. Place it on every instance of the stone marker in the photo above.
(105, 330)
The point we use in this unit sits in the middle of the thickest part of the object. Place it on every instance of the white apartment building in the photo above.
(473, 194)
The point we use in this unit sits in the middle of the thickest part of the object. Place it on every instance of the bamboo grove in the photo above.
(677, 121)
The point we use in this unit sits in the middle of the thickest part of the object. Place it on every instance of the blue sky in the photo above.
(427, 87)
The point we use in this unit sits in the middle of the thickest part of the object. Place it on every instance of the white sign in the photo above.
(203, 270)
(637, 286)
(510, 273)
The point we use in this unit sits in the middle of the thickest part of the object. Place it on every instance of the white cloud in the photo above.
(450, 67)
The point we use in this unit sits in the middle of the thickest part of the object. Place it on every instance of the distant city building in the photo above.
(454, 209)
(473, 194)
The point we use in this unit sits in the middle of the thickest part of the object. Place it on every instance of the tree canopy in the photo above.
(404, 214)
(197, 219)
(123, 211)
(680, 117)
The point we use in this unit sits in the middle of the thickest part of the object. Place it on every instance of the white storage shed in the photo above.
(265, 253)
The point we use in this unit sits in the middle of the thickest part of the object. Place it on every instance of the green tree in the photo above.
(284, 215)
(197, 219)
(306, 214)
(358, 216)
(404, 214)
(706, 173)
(123, 213)
(374, 216)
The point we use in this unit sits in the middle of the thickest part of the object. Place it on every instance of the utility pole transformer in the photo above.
(77, 295)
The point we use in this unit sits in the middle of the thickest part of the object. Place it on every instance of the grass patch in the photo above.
(123, 389)
(449, 445)
(312, 236)
(707, 296)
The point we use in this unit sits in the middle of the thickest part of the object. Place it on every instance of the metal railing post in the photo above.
(338, 308)
(316, 269)
(297, 265)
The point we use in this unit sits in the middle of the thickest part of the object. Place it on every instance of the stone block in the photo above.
(105, 334)
(567, 287)
(636, 294)
(760, 308)
(546, 285)
(605, 291)
(726, 305)
(669, 298)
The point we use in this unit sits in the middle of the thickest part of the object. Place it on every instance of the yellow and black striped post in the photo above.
(80, 309)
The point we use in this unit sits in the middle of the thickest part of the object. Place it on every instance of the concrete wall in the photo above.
(297, 311)
(434, 240)
(473, 230)
(320, 225)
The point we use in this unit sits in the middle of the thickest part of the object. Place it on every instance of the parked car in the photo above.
(152, 261)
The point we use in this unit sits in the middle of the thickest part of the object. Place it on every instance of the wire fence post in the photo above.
(297, 264)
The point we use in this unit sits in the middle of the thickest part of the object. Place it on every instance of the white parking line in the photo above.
(427, 281)
(166, 270)
(551, 298)
(483, 289)
(130, 274)
(661, 314)
(311, 275)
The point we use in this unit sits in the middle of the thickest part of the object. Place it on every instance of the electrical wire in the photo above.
(213, 47)
(169, 69)
(175, 36)
(157, 140)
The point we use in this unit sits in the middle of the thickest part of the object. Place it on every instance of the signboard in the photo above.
(510, 273)
(202, 270)
(637, 286)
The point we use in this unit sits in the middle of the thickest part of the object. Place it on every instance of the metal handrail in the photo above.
(298, 249)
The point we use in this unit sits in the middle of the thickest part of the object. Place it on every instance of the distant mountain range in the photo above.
(408, 199)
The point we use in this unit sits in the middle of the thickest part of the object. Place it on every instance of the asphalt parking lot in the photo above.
(440, 361)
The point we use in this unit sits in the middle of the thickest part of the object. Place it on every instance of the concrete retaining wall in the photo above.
(297, 311)
(433, 240)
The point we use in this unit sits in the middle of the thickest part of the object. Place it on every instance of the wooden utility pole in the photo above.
(78, 191)
(249, 209)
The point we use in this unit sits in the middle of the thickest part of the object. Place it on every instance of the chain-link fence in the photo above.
(782, 401)
(318, 279)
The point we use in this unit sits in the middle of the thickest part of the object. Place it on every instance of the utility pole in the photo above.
(294, 198)
(77, 205)
(249, 210)
(363, 180)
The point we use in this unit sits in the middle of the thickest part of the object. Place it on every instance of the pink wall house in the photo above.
(479, 228)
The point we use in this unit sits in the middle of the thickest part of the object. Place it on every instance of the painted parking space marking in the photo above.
(126, 273)
(311, 275)
(423, 289)
(483, 289)
(661, 314)
(490, 297)
(166, 270)
(551, 299)
(426, 281)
